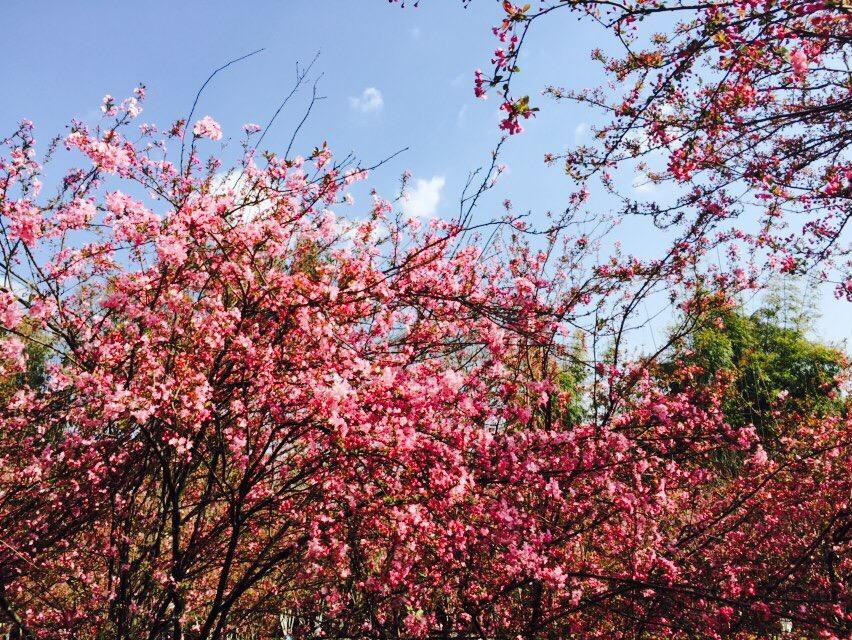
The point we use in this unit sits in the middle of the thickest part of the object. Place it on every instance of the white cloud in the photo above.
(423, 199)
(641, 140)
(461, 115)
(370, 101)
(222, 183)
(642, 184)
(581, 130)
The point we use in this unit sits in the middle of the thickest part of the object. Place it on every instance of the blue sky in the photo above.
(416, 64)
(392, 78)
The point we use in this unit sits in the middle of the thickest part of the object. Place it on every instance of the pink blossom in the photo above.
(10, 311)
(799, 60)
(207, 127)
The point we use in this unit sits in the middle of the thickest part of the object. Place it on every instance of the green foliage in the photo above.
(37, 354)
(570, 380)
(774, 367)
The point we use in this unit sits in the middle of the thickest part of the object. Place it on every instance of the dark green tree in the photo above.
(772, 363)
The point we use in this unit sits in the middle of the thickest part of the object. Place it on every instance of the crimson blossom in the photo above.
(257, 419)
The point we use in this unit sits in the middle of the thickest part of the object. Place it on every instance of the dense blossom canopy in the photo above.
(228, 408)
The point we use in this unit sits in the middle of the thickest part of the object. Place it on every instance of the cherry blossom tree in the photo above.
(742, 106)
(232, 374)
(254, 410)
(256, 417)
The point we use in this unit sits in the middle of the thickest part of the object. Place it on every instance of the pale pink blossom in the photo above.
(207, 127)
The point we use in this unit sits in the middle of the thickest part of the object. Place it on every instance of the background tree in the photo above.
(776, 372)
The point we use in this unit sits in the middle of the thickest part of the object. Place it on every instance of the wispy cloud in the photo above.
(580, 131)
(461, 116)
(642, 184)
(370, 101)
(222, 183)
(422, 200)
